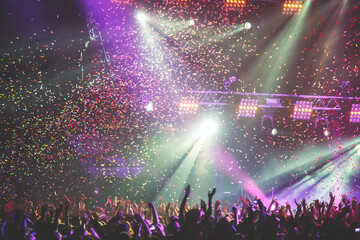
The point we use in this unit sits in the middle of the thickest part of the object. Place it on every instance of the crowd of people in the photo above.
(121, 219)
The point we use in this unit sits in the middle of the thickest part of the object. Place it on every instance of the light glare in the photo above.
(141, 17)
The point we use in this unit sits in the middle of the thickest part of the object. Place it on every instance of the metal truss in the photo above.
(270, 100)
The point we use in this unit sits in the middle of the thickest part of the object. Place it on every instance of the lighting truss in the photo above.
(355, 113)
(291, 7)
(248, 107)
(187, 106)
(303, 110)
(320, 103)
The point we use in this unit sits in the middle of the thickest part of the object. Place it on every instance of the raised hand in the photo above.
(332, 197)
(260, 204)
(288, 207)
(59, 209)
(298, 206)
(187, 190)
(345, 200)
(243, 201)
(303, 202)
(203, 205)
(211, 193)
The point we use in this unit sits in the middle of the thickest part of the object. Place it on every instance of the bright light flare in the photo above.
(247, 25)
(141, 17)
(149, 107)
(210, 126)
(274, 132)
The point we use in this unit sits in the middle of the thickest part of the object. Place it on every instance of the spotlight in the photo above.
(188, 107)
(210, 126)
(141, 17)
(274, 132)
(292, 7)
(191, 22)
(355, 113)
(326, 133)
(303, 110)
(149, 107)
(248, 107)
(247, 25)
(235, 5)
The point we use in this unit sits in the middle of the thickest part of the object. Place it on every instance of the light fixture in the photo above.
(355, 113)
(188, 106)
(141, 17)
(234, 5)
(291, 7)
(248, 107)
(303, 110)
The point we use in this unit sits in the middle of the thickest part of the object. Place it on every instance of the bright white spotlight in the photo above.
(149, 107)
(247, 25)
(141, 17)
(210, 126)
(191, 22)
(274, 132)
(326, 133)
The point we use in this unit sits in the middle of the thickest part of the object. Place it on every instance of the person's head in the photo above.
(30, 237)
(123, 236)
(123, 227)
(192, 217)
(173, 227)
(223, 229)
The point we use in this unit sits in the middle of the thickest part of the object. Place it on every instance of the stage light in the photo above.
(303, 110)
(326, 133)
(141, 17)
(355, 113)
(292, 7)
(210, 126)
(248, 107)
(234, 5)
(191, 22)
(149, 107)
(274, 132)
(247, 25)
(188, 107)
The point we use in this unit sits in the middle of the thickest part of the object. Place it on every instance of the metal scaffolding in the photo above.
(271, 100)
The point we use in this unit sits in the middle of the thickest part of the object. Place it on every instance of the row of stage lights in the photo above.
(235, 5)
(355, 113)
(290, 7)
(248, 108)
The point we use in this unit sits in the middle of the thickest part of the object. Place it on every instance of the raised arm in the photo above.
(210, 197)
(182, 205)
(288, 207)
(332, 200)
(57, 214)
(298, 211)
(154, 213)
(142, 227)
(234, 210)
